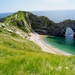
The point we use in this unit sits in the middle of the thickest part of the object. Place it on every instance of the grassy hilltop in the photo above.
(19, 56)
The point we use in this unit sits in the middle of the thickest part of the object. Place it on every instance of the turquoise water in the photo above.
(66, 44)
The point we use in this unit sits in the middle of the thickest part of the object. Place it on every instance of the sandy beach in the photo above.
(38, 39)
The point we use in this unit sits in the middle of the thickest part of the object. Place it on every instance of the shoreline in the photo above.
(38, 39)
(58, 51)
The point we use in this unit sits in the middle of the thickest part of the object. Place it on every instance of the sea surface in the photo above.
(3, 15)
(66, 44)
(57, 16)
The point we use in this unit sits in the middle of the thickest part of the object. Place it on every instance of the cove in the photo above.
(61, 43)
(66, 44)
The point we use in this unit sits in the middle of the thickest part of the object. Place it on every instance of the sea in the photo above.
(57, 15)
(66, 44)
(3, 15)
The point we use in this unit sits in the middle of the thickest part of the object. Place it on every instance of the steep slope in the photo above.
(39, 24)
(29, 22)
(17, 20)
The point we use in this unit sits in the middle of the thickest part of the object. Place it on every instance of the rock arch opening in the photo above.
(69, 32)
(69, 35)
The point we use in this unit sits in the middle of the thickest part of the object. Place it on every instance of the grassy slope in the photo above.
(17, 20)
(22, 57)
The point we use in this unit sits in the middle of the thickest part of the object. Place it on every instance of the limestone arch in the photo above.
(71, 29)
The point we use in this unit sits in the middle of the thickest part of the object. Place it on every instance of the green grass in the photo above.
(18, 20)
(23, 57)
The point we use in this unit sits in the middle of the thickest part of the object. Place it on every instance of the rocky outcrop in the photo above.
(40, 24)
(43, 25)
(60, 28)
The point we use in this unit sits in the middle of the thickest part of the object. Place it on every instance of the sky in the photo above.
(35, 5)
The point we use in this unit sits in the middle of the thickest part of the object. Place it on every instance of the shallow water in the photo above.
(66, 44)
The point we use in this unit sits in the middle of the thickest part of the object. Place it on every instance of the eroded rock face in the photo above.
(40, 24)
(65, 24)
(45, 26)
